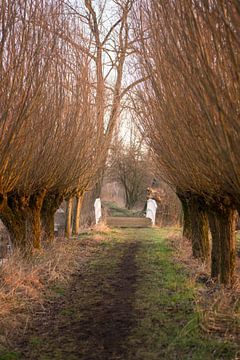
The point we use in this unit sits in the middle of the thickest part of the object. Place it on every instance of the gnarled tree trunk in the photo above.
(21, 216)
(3, 201)
(199, 227)
(222, 220)
(68, 223)
(51, 203)
(77, 214)
(35, 205)
(15, 217)
(187, 230)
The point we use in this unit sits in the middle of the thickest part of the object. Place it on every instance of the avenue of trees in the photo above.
(62, 67)
(189, 111)
(59, 103)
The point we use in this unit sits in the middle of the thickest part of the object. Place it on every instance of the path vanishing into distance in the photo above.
(128, 301)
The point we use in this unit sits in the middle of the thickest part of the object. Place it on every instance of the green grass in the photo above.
(58, 290)
(35, 342)
(9, 355)
(115, 210)
(167, 319)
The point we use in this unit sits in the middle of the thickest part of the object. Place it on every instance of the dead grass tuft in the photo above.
(219, 307)
(24, 282)
(101, 227)
(101, 232)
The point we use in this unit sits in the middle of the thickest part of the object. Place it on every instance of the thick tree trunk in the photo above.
(187, 230)
(199, 228)
(222, 221)
(77, 214)
(238, 216)
(3, 201)
(14, 216)
(51, 203)
(216, 244)
(35, 205)
(21, 216)
(68, 223)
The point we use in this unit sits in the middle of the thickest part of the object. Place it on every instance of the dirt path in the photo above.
(130, 301)
(93, 319)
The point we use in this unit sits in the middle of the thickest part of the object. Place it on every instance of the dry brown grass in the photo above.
(101, 232)
(101, 227)
(219, 306)
(24, 282)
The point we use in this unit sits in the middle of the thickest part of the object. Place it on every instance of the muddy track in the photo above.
(93, 319)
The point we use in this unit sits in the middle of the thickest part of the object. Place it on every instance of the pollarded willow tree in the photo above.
(48, 129)
(26, 53)
(189, 110)
(58, 107)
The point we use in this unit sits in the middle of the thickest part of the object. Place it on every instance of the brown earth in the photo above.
(92, 318)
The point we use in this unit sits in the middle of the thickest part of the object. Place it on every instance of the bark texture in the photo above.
(15, 217)
(21, 216)
(77, 214)
(51, 203)
(187, 230)
(68, 224)
(222, 220)
(199, 228)
(35, 205)
(3, 201)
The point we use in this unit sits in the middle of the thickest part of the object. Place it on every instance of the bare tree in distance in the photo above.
(130, 165)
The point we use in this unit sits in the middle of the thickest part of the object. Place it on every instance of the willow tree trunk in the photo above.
(222, 221)
(68, 223)
(35, 204)
(77, 214)
(216, 244)
(14, 216)
(51, 203)
(3, 201)
(21, 216)
(199, 228)
(187, 230)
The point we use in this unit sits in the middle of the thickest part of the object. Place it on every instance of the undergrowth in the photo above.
(114, 210)
(167, 307)
(26, 282)
(178, 312)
